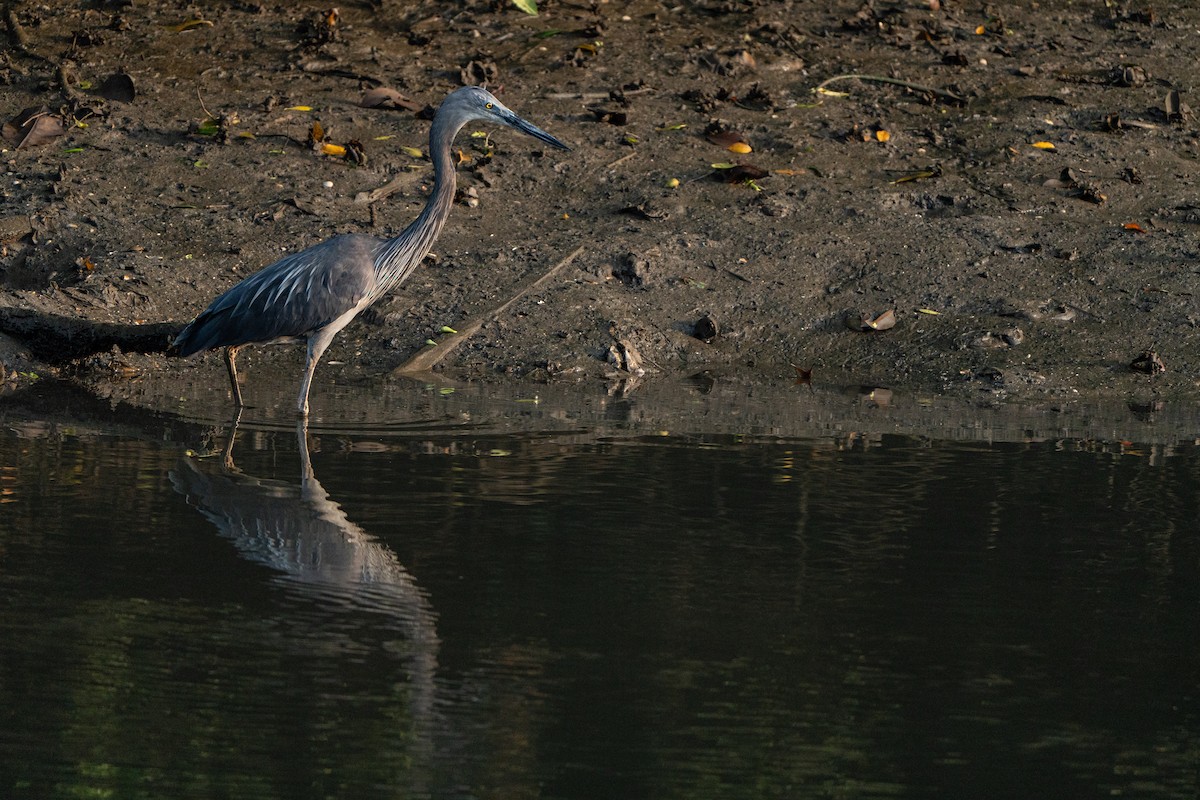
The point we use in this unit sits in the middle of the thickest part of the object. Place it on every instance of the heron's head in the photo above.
(474, 102)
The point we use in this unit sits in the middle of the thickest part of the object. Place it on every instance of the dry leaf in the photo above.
(920, 175)
(1044, 145)
(1133, 226)
(739, 147)
(187, 26)
(384, 97)
(737, 173)
(883, 322)
(857, 321)
(33, 127)
(882, 136)
(1148, 362)
(333, 149)
(726, 138)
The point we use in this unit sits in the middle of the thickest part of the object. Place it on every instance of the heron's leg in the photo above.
(317, 343)
(231, 365)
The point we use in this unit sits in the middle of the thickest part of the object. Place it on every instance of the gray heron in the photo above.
(313, 294)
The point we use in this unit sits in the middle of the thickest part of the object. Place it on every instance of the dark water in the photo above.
(437, 611)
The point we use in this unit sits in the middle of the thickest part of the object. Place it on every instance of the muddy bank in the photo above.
(1020, 192)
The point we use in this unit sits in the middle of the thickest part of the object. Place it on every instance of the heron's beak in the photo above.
(533, 130)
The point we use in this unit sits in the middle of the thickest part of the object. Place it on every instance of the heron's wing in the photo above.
(289, 299)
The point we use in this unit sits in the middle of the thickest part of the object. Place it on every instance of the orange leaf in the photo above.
(882, 136)
(1133, 226)
(739, 147)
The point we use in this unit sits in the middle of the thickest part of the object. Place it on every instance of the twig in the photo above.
(916, 87)
(620, 160)
(596, 95)
(425, 359)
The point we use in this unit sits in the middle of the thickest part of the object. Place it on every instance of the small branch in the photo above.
(589, 96)
(916, 87)
(426, 359)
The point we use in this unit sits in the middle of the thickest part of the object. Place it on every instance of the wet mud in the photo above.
(992, 202)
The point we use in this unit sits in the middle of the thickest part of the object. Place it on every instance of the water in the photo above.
(446, 609)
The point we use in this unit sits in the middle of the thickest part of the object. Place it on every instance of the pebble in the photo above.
(328, 184)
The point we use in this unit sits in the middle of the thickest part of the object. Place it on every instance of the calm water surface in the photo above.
(432, 611)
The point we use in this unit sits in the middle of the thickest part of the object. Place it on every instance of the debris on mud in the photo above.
(945, 207)
(1148, 362)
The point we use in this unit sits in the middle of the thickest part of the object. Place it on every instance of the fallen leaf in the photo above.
(882, 136)
(803, 376)
(528, 6)
(189, 24)
(883, 322)
(929, 311)
(298, 108)
(739, 147)
(857, 321)
(1043, 145)
(672, 183)
(920, 175)
(1133, 226)
(725, 138)
(1173, 106)
(678, 127)
(738, 173)
(209, 127)
(33, 127)
(385, 97)
(330, 149)
(1148, 362)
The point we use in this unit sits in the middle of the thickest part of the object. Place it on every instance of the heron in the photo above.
(311, 295)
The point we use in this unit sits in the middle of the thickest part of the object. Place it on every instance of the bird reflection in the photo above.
(321, 554)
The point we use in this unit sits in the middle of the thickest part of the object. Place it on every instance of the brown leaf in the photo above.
(725, 138)
(857, 321)
(1148, 362)
(739, 173)
(384, 97)
(33, 127)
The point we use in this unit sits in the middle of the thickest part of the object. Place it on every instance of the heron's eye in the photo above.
(487, 105)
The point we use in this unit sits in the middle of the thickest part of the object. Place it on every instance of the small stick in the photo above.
(620, 160)
(596, 95)
(916, 87)
(426, 358)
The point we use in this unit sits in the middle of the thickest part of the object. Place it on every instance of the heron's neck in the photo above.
(402, 254)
